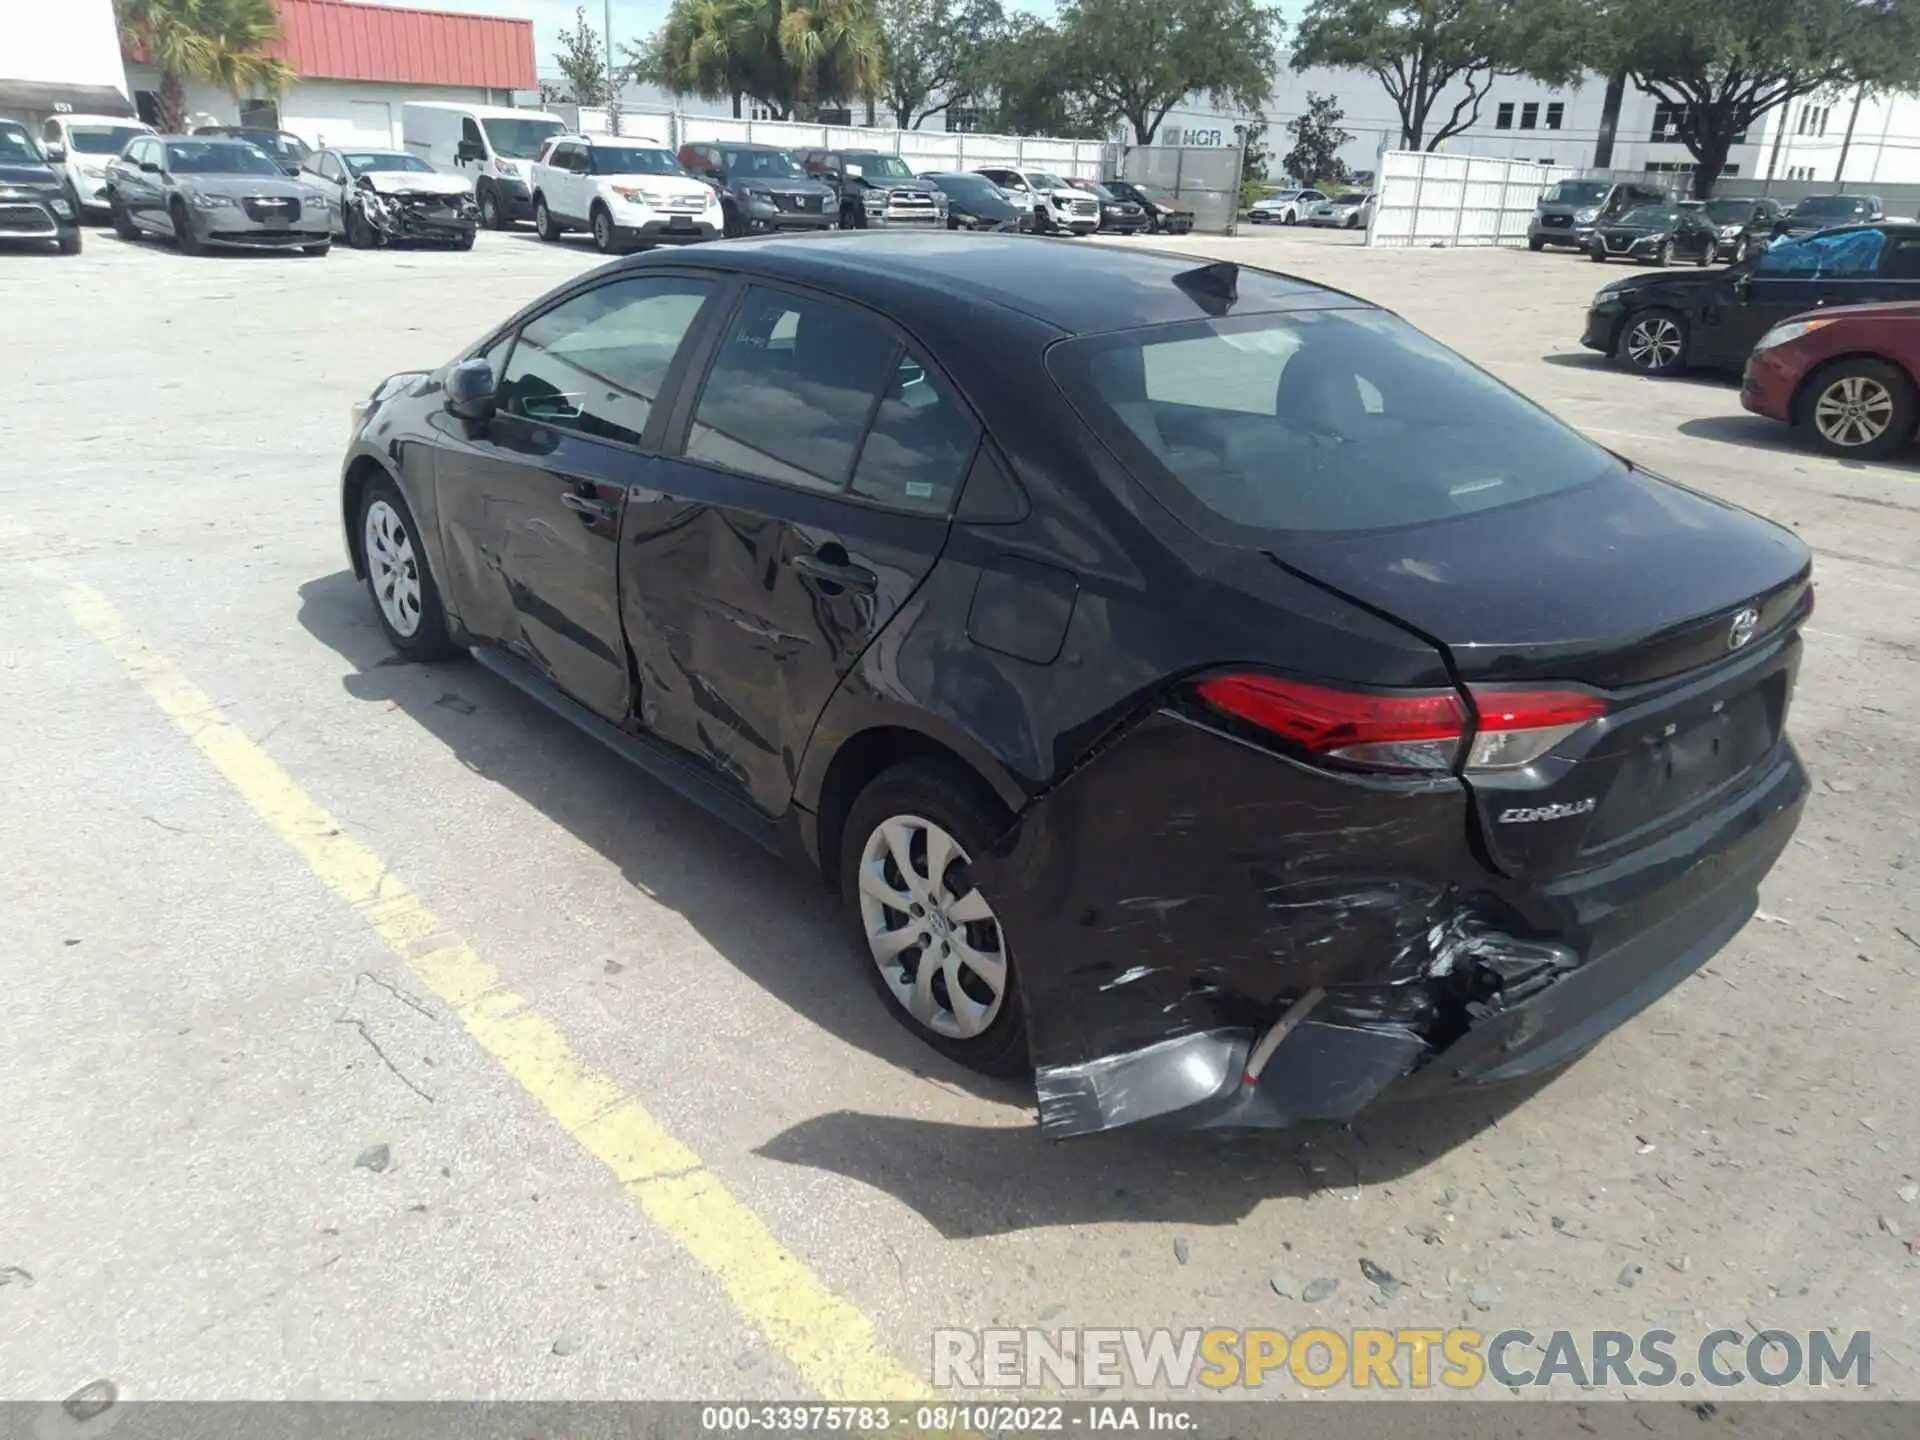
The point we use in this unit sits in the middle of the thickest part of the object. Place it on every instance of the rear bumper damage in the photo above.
(1186, 899)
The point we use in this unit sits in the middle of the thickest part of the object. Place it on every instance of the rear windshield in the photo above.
(1331, 420)
(102, 139)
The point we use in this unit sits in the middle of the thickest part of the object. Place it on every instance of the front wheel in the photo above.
(317, 250)
(1663, 257)
(491, 215)
(852, 218)
(1536, 244)
(935, 947)
(69, 244)
(183, 236)
(1598, 254)
(543, 225)
(405, 599)
(1862, 409)
(605, 238)
(359, 232)
(731, 225)
(1654, 343)
(123, 225)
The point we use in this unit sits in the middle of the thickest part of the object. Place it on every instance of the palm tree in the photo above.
(783, 53)
(834, 50)
(217, 42)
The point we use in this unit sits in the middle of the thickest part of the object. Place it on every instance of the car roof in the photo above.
(221, 138)
(738, 145)
(1060, 282)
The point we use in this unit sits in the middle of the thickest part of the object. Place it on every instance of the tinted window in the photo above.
(595, 363)
(1328, 421)
(17, 147)
(1833, 207)
(99, 139)
(634, 160)
(1576, 192)
(791, 389)
(920, 445)
(1650, 215)
(1839, 254)
(1902, 260)
(772, 164)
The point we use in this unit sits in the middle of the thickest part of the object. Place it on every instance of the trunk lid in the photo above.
(1681, 610)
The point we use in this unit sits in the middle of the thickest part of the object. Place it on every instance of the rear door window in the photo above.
(1334, 420)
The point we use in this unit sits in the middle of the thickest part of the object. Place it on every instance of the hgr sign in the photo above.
(1176, 135)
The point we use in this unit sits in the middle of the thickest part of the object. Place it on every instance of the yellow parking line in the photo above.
(830, 1342)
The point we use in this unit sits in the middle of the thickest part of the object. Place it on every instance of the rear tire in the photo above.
(406, 602)
(1859, 409)
(909, 821)
(1653, 342)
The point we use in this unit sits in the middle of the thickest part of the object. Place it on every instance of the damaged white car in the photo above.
(386, 197)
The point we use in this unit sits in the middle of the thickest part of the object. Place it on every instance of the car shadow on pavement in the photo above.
(1759, 433)
(780, 929)
(772, 920)
(969, 1181)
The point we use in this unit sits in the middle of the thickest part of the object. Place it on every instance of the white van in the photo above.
(90, 141)
(493, 145)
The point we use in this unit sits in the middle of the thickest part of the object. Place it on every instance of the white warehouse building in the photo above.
(1805, 141)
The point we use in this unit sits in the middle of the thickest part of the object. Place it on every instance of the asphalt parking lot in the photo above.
(374, 1035)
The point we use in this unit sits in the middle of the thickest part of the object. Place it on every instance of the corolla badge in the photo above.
(1743, 628)
(1531, 814)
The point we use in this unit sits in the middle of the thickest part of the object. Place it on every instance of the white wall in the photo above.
(73, 43)
(337, 112)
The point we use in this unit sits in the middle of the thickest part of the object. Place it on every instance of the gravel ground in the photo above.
(208, 1045)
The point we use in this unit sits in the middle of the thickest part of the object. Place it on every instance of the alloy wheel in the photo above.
(602, 230)
(1654, 343)
(393, 568)
(1854, 410)
(939, 947)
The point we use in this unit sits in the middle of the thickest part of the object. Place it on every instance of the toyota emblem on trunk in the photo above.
(1744, 624)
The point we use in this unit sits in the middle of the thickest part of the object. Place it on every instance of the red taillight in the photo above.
(1387, 731)
(1427, 730)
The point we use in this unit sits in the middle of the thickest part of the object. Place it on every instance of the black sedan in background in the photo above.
(1167, 213)
(1663, 324)
(1117, 216)
(1656, 235)
(976, 203)
(1824, 212)
(1203, 690)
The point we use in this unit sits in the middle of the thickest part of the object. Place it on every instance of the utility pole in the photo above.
(613, 103)
(1840, 170)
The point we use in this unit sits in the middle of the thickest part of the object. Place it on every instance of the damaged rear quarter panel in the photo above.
(1184, 880)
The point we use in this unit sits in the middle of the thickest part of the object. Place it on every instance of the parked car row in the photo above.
(1824, 328)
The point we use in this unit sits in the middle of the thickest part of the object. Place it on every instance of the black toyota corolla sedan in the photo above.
(1202, 689)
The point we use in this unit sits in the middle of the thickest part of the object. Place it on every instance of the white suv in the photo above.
(626, 192)
(1057, 206)
(90, 141)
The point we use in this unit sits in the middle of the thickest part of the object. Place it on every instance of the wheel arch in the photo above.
(837, 780)
(360, 470)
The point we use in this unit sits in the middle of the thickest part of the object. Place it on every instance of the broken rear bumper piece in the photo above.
(1184, 901)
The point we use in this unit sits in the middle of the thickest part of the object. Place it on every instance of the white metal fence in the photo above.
(924, 150)
(1430, 198)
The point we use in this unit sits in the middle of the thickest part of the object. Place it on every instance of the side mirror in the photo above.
(472, 389)
(149, 167)
(56, 153)
(467, 150)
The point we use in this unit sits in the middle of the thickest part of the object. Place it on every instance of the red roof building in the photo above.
(340, 40)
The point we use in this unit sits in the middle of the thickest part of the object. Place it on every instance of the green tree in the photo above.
(217, 42)
(1028, 85)
(583, 61)
(935, 54)
(786, 54)
(1422, 51)
(1317, 138)
(1727, 63)
(1137, 59)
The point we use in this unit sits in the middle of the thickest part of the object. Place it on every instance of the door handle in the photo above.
(589, 507)
(830, 571)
